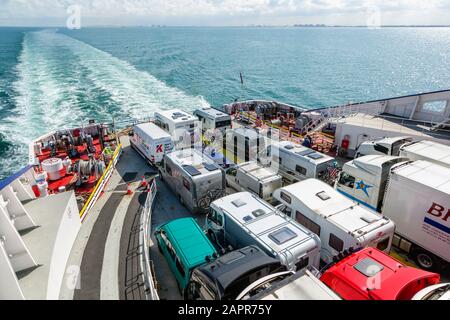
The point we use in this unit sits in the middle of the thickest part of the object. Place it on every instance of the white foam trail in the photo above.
(63, 82)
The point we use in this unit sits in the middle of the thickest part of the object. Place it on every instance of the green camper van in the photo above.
(185, 247)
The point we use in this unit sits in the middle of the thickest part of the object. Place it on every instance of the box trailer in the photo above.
(427, 150)
(254, 178)
(243, 219)
(151, 142)
(414, 194)
(418, 200)
(341, 224)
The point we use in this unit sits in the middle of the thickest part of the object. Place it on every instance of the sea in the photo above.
(52, 78)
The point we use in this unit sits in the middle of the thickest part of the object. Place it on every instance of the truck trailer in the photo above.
(414, 194)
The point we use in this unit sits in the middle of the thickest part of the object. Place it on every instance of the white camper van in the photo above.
(416, 197)
(297, 163)
(151, 142)
(212, 119)
(341, 223)
(254, 178)
(196, 180)
(179, 124)
(243, 219)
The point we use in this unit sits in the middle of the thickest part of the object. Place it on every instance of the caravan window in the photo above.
(180, 268)
(301, 170)
(347, 180)
(336, 243)
(285, 197)
(307, 223)
(168, 169)
(186, 184)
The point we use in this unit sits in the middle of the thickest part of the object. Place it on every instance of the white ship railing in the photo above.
(144, 239)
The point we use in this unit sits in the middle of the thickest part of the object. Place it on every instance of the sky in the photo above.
(82, 13)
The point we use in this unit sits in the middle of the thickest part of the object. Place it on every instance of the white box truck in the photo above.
(414, 194)
(243, 219)
(254, 178)
(389, 146)
(341, 224)
(151, 142)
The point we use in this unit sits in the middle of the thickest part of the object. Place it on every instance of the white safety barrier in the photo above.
(147, 273)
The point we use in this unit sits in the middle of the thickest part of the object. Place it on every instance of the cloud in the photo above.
(121, 10)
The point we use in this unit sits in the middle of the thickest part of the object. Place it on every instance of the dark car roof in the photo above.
(228, 268)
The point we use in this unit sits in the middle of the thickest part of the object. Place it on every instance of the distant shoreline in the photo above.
(243, 26)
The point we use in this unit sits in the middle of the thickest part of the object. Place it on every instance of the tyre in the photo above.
(212, 237)
(160, 176)
(159, 247)
(426, 260)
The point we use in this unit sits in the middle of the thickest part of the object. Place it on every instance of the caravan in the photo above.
(244, 145)
(196, 180)
(341, 223)
(254, 178)
(212, 119)
(179, 124)
(243, 219)
(297, 163)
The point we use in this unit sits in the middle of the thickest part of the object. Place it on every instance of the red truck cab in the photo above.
(370, 274)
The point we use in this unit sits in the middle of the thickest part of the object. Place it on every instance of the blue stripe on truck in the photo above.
(357, 200)
(437, 225)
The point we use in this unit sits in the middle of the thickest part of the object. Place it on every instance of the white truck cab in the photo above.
(364, 179)
(389, 146)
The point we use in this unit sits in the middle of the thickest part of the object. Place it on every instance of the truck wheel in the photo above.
(159, 247)
(425, 260)
(212, 237)
(160, 176)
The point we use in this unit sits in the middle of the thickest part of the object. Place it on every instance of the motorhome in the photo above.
(212, 119)
(297, 163)
(254, 178)
(185, 247)
(179, 124)
(389, 146)
(303, 285)
(151, 142)
(416, 197)
(243, 219)
(196, 180)
(244, 145)
(225, 277)
(373, 275)
(341, 223)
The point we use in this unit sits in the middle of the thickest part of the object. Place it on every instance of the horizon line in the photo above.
(312, 25)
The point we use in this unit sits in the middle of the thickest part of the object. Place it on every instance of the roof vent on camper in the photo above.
(305, 152)
(258, 213)
(289, 147)
(315, 156)
(210, 167)
(238, 203)
(247, 218)
(323, 196)
(283, 235)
